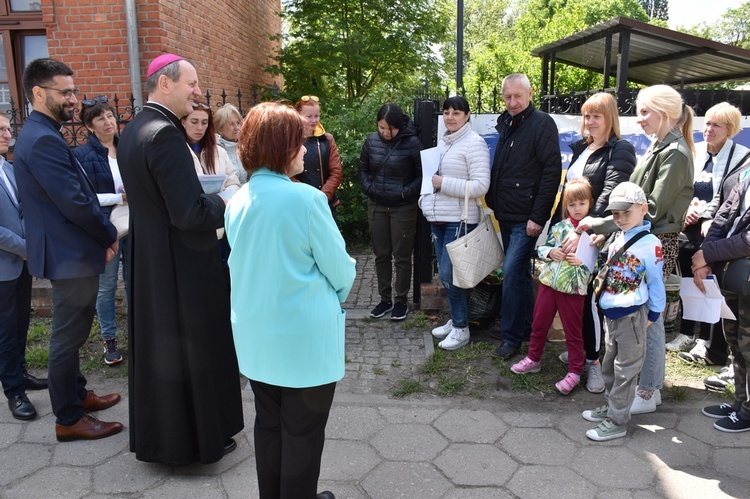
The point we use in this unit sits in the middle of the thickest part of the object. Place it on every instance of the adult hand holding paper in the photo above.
(430, 163)
(708, 307)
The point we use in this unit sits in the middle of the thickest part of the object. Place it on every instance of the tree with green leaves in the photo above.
(349, 48)
(656, 9)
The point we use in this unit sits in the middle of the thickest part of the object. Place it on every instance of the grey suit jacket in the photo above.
(12, 238)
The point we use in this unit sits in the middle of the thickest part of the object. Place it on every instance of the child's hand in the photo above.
(572, 259)
(648, 323)
(556, 254)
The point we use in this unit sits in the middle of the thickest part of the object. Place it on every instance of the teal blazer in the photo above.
(290, 272)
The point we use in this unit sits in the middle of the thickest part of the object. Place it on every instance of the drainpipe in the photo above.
(134, 54)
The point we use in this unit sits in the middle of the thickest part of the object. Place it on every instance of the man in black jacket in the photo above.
(525, 176)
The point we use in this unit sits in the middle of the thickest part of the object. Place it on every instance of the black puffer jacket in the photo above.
(390, 171)
(717, 247)
(608, 166)
(526, 169)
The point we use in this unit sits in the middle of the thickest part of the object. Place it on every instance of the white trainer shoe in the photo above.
(594, 380)
(457, 338)
(643, 406)
(441, 332)
(681, 343)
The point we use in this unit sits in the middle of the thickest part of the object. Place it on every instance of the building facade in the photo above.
(229, 41)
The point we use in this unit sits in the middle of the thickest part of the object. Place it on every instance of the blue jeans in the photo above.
(518, 292)
(105, 298)
(652, 372)
(443, 234)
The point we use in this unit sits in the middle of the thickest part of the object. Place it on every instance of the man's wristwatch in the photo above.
(578, 231)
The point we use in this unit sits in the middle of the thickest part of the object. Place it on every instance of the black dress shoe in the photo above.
(21, 408)
(326, 494)
(33, 383)
(229, 446)
(505, 351)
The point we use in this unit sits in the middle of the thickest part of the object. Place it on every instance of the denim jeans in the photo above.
(443, 234)
(518, 292)
(652, 373)
(105, 298)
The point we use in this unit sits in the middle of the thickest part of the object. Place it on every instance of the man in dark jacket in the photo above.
(525, 176)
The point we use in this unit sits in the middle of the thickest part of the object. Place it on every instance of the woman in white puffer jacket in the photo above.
(464, 157)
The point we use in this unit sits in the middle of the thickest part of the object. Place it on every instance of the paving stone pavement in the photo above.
(508, 445)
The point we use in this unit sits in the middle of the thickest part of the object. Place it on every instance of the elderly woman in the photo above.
(322, 167)
(99, 159)
(227, 122)
(718, 161)
(290, 272)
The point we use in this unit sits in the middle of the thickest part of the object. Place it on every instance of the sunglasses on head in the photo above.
(200, 105)
(306, 98)
(90, 102)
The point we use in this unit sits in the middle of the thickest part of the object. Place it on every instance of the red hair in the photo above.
(271, 137)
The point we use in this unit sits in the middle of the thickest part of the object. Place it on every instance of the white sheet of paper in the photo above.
(587, 253)
(709, 307)
(430, 163)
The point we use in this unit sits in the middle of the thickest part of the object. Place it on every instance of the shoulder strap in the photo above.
(627, 245)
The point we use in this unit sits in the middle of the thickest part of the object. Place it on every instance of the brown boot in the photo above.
(94, 402)
(87, 428)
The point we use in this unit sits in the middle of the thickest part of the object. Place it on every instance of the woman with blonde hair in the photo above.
(665, 173)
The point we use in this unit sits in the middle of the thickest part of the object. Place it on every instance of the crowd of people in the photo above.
(249, 277)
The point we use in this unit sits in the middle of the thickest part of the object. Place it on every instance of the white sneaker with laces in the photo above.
(643, 406)
(563, 357)
(443, 331)
(594, 380)
(699, 350)
(681, 343)
(458, 337)
(718, 382)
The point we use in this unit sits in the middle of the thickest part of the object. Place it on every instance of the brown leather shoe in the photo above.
(94, 402)
(87, 428)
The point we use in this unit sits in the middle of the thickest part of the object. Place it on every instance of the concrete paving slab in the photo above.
(476, 464)
(57, 481)
(188, 487)
(22, 460)
(346, 460)
(538, 446)
(550, 481)
(614, 467)
(403, 442)
(476, 493)
(477, 426)
(124, 474)
(406, 480)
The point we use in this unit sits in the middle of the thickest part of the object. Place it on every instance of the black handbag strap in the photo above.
(627, 245)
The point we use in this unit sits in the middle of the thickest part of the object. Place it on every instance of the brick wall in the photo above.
(228, 41)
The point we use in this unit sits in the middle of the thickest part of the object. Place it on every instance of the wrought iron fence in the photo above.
(75, 132)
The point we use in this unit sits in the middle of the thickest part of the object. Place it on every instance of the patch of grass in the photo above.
(448, 385)
(370, 320)
(678, 393)
(39, 330)
(406, 387)
(395, 363)
(416, 321)
(679, 369)
(37, 356)
(379, 371)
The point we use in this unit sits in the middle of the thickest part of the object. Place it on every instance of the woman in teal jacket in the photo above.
(290, 272)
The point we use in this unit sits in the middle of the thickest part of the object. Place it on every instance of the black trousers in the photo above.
(15, 312)
(73, 307)
(289, 436)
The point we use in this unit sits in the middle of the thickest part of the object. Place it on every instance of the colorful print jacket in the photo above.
(562, 276)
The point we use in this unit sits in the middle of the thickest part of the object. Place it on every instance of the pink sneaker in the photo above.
(566, 385)
(526, 366)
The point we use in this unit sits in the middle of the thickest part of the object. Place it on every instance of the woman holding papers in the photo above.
(464, 164)
(209, 158)
(390, 174)
(728, 238)
(605, 159)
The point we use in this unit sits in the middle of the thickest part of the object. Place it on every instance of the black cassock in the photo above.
(185, 395)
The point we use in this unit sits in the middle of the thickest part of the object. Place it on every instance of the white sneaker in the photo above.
(718, 382)
(458, 337)
(699, 350)
(443, 331)
(563, 357)
(594, 380)
(681, 343)
(643, 406)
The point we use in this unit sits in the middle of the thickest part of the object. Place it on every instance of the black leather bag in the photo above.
(734, 276)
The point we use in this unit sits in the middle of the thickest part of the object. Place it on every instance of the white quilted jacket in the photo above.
(465, 155)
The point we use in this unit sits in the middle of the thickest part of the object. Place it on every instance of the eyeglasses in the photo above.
(91, 102)
(197, 105)
(306, 98)
(67, 94)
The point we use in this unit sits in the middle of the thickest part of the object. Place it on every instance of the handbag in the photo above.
(601, 277)
(120, 218)
(734, 275)
(475, 254)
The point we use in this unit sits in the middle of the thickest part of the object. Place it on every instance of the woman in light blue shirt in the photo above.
(290, 272)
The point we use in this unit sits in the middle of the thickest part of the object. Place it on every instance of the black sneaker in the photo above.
(383, 308)
(400, 311)
(733, 424)
(505, 351)
(112, 354)
(718, 411)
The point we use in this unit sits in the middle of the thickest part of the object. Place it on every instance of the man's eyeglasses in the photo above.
(200, 105)
(306, 98)
(92, 102)
(67, 94)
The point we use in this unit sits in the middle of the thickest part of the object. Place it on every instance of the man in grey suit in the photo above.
(15, 291)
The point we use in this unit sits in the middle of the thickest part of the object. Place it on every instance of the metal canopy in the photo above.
(645, 54)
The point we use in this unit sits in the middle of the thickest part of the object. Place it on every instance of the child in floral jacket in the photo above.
(562, 289)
